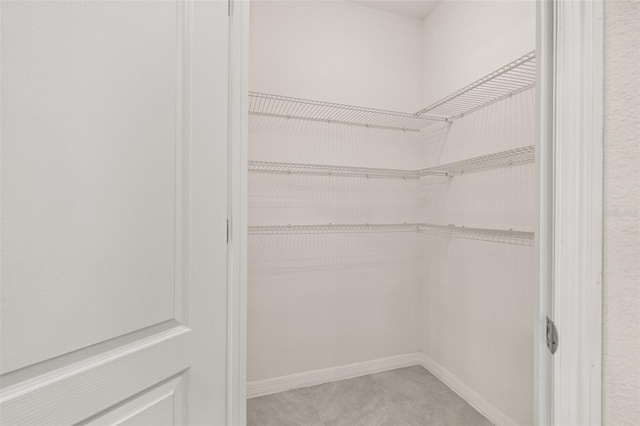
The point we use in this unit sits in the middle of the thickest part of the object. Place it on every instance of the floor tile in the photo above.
(291, 408)
(386, 415)
(441, 409)
(348, 401)
(410, 396)
(409, 383)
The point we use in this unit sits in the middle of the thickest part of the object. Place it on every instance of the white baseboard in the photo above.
(317, 377)
(494, 415)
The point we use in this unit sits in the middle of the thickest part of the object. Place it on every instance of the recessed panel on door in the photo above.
(92, 188)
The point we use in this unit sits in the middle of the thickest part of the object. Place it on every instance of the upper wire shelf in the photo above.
(507, 158)
(483, 234)
(307, 109)
(513, 78)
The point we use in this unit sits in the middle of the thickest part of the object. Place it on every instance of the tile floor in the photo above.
(409, 396)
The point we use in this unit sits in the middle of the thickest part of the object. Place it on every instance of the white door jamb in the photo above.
(571, 202)
(237, 226)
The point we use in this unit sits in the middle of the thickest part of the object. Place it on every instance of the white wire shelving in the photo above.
(513, 78)
(507, 158)
(307, 109)
(332, 229)
(327, 170)
(504, 236)
(493, 235)
(507, 81)
(511, 157)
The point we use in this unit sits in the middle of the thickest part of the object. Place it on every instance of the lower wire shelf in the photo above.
(511, 157)
(505, 236)
(332, 229)
(484, 234)
(326, 170)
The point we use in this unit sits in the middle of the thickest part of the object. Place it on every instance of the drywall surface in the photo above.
(325, 300)
(336, 51)
(464, 40)
(622, 216)
(477, 296)
(319, 301)
(482, 292)
(477, 318)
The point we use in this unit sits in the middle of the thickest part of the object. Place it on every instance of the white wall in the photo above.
(322, 301)
(336, 51)
(478, 297)
(465, 40)
(318, 301)
(622, 215)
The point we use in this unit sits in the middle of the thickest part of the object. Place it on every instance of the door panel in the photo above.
(157, 407)
(84, 389)
(90, 188)
(114, 205)
(158, 414)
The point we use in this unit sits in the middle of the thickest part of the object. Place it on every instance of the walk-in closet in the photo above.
(391, 213)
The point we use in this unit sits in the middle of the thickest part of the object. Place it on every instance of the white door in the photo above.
(114, 207)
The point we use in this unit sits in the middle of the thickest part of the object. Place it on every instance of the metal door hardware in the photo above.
(552, 336)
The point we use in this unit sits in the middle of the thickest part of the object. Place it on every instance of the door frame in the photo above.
(543, 360)
(570, 146)
(238, 207)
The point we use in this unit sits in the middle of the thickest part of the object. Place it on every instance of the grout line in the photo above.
(315, 405)
(393, 405)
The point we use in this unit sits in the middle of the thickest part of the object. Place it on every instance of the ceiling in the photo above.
(414, 9)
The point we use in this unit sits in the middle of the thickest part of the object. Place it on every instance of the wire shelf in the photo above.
(511, 157)
(483, 234)
(307, 109)
(332, 229)
(507, 158)
(326, 170)
(510, 236)
(513, 78)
